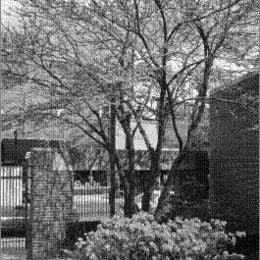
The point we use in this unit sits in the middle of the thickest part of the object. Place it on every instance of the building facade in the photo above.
(234, 154)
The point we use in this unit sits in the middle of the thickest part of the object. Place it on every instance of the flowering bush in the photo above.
(141, 237)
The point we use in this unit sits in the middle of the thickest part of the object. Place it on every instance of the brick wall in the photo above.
(51, 203)
(234, 142)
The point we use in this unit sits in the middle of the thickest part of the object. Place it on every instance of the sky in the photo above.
(6, 5)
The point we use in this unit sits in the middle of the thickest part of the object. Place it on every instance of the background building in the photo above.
(234, 154)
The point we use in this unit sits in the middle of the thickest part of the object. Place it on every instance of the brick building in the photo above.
(234, 165)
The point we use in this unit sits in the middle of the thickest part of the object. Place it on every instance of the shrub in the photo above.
(76, 229)
(192, 202)
(192, 190)
(178, 206)
(248, 246)
(141, 237)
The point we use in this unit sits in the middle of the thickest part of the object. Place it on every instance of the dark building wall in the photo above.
(13, 151)
(234, 155)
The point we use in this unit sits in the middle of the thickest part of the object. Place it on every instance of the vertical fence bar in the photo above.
(27, 173)
(15, 192)
(9, 201)
(0, 128)
(12, 217)
(1, 191)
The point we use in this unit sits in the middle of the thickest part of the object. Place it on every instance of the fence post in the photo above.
(51, 203)
(27, 181)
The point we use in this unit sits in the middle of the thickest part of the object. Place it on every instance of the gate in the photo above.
(14, 190)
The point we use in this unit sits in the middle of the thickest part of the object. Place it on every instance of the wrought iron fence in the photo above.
(91, 196)
(13, 209)
(90, 203)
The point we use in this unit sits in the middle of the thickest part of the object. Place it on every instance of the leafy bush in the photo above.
(192, 190)
(192, 202)
(248, 246)
(76, 229)
(177, 206)
(141, 237)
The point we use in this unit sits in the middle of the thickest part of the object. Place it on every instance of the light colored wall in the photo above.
(11, 186)
(150, 128)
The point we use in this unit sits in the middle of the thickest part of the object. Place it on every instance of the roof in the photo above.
(246, 83)
(13, 152)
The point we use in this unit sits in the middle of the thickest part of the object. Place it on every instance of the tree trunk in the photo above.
(147, 195)
(163, 198)
(149, 187)
(155, 156)
(173, 178)
(130, 207)
(130, 193)
(129, 204)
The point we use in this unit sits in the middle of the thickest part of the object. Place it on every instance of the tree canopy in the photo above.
(84, 55)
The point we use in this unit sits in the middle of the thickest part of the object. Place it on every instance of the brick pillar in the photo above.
(51, 203)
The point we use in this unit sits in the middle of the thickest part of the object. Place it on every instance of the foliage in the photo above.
(233, 219)
(141, 237)
(78, 228)
(247, 245)
(177, 206)
(192, 202)
(193, 190)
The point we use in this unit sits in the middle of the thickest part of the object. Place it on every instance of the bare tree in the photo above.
(196, 42)
(75, 84)
(83, 55)
(216, 33)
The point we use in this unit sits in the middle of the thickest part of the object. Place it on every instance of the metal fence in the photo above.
(90, 203)
(91, 196)
(13, 208)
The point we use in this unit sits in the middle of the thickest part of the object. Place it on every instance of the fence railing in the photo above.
(12, 209)
(90, 203)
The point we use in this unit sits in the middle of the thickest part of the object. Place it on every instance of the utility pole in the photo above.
(112, 133)
(23, 120)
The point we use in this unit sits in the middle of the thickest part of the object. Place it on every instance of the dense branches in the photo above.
(81, 55)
